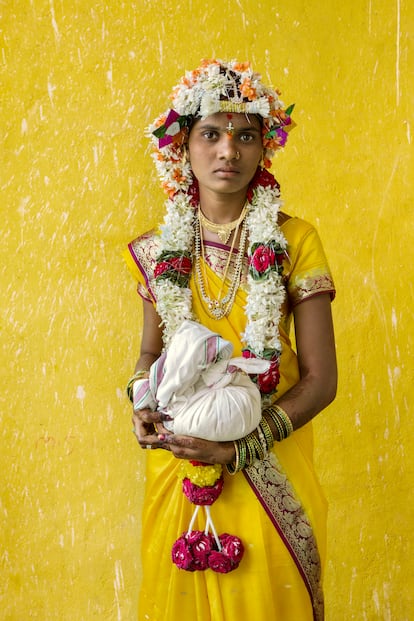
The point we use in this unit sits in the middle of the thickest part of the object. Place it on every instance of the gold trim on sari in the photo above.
(277, 496)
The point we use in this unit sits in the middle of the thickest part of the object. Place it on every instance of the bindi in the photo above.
(230, 126)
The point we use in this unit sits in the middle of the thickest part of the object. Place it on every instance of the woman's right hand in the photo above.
(147, 427)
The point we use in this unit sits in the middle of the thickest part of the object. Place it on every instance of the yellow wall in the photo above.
(79, 82)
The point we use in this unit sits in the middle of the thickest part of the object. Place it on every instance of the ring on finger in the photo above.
(149, 446)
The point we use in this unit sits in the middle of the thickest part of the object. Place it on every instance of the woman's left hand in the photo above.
(197, 449)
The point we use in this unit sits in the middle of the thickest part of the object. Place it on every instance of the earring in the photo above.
(185, 155)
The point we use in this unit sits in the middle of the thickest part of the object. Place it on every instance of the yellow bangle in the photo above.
(141, 374)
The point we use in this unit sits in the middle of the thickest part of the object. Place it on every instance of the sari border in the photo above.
(143, 251)
(276, 495)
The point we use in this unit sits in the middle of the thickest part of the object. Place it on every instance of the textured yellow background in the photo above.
(79, 82)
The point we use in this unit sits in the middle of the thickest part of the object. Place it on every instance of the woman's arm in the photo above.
(151, 342)
(314, 391)
(184, 447)
(151, 347)
(315, 345)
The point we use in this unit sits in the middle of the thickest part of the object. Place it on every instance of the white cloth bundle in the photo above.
(205, 391)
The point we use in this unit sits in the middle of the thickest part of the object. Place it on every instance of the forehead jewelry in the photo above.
(230, 129)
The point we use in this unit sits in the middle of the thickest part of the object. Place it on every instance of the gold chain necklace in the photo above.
(219, 307)
(224, 230)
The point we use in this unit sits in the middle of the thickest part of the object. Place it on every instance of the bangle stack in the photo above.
(281, 421)
(141, 374)
(257, 444)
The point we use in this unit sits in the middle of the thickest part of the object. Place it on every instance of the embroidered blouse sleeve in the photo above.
(309, 272)
(140, 257)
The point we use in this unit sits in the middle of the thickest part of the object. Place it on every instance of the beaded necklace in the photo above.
(218, 307)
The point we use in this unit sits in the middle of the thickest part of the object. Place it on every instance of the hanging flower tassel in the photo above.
(198, 550)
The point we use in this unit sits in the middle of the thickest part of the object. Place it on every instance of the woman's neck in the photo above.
(222, 208)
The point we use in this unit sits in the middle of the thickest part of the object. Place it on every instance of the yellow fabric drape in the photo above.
(267, 584)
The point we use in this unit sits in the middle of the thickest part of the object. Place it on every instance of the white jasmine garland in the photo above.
(221, 87)
(181, 237)
(265, 296)
(264, 302)
(174, 305)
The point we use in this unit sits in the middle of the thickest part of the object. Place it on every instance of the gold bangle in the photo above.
(141, 374)
(250, 451)
(281, 420)
(254, 448)
(275, 418)
(234, 466)
(284, 416)
(243, 453)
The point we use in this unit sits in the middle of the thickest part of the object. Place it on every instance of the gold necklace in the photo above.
(221, 306)
(224, 230)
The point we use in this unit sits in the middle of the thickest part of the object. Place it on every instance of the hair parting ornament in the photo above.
(233, 88)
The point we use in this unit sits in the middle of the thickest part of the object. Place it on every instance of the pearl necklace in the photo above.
(223, 230)
(219, 307)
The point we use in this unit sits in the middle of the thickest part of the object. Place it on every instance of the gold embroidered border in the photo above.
(278, 497)
(217, 258)
(316, 281)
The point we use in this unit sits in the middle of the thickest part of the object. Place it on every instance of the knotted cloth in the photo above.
(207, 393)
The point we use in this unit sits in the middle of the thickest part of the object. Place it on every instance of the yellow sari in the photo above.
(276, 507)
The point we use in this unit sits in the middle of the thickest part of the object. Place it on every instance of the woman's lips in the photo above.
(226, 172)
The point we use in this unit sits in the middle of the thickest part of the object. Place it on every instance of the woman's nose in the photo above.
(228, 150)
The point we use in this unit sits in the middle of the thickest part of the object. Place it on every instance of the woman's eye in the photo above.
(210, 135)
(246, 137)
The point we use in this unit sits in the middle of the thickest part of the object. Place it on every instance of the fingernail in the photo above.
(165, 416)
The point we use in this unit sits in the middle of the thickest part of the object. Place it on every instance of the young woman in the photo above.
(228, 258)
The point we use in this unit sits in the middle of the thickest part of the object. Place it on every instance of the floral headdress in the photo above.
(230, 87)
(215, 86)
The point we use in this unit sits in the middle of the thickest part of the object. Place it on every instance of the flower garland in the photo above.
(267, 247)
(234, 88)
(198, 550)
(218, 86)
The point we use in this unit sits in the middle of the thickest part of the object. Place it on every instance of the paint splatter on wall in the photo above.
(79, 85)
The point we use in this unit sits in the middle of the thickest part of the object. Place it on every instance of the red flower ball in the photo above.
(264, 178)
(191, 551)
(232, 547)
(202, 495)
(181, 555)
(268, 381)
(220, 563)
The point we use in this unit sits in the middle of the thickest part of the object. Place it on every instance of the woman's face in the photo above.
(225, 150)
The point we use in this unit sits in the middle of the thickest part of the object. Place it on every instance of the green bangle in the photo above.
(267, 432)
(235, 465)
(281, 421)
